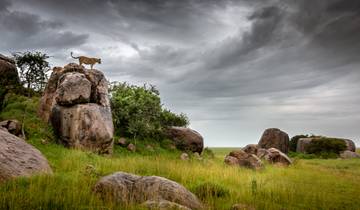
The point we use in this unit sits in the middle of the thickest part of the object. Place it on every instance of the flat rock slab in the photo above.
(18, 158)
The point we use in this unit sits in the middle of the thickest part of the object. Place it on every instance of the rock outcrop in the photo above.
(128, 188)
(76, 103)
(275, 138)
(304, 142)
(9, 75)
(349, 155)
(186, 139)
(241, 158)
(18, 158)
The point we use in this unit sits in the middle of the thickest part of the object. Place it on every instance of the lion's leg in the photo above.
(91, 66)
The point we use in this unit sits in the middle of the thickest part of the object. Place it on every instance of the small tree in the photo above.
(32, 69)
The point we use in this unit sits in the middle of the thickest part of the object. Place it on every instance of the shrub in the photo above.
(33, 68)
(208, 153)
(210, 190)
(294, 140)
(138, 113)
(326, 147)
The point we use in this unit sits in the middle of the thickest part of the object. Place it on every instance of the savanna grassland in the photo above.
(307, 184)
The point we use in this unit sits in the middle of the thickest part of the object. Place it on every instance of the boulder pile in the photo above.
(272, 147)
(76, 102)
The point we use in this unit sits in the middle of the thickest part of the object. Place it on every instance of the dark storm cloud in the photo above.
(24, 30)
(250, 64)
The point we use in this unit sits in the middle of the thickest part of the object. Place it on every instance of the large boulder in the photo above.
(128, 188)
(349, 155)
(73, 88)
(275, 156)
(76, 102)
(302, 143)
(9, 78)
(275, 138)
(241, 158)
(186, 139)
(18, 158)
(84, 126)
(9, 75)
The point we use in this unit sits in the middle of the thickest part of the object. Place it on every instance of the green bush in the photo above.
(210, 190)
(24, 110)
(138, 113)
(326, 147)
(294, 140)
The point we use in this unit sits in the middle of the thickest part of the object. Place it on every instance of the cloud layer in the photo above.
(235, 67)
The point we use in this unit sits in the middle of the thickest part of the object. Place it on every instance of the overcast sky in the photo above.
(234, 67)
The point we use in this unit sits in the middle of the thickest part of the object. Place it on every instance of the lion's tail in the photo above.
(71, 54)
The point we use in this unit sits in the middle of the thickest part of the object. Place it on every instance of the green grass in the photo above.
(307, 184)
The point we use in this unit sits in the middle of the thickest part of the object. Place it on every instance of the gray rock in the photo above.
(302, 144)
(275, 138)
(129, 188)
(73, 88)
(186, 139)
(84, 126)
(18, 158)
(349, 155)
(122, 142)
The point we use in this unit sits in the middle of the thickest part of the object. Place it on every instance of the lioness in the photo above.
(87, 60)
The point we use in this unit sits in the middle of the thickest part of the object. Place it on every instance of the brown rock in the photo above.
(230, 160)
(184, 156)
(129, 188)
(349, 155)
(186, 139)
(275, 156)
(18, 158)
(261, 153)
(131, 147)
(275, 138)
(73, 88)
(122, 142)
(84, 126)
(240, 206)
(12, 126)
(244, 159)
(251, 149)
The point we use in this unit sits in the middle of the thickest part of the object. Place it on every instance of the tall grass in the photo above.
(307, 184)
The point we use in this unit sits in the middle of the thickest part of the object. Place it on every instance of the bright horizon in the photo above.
(235, 68)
